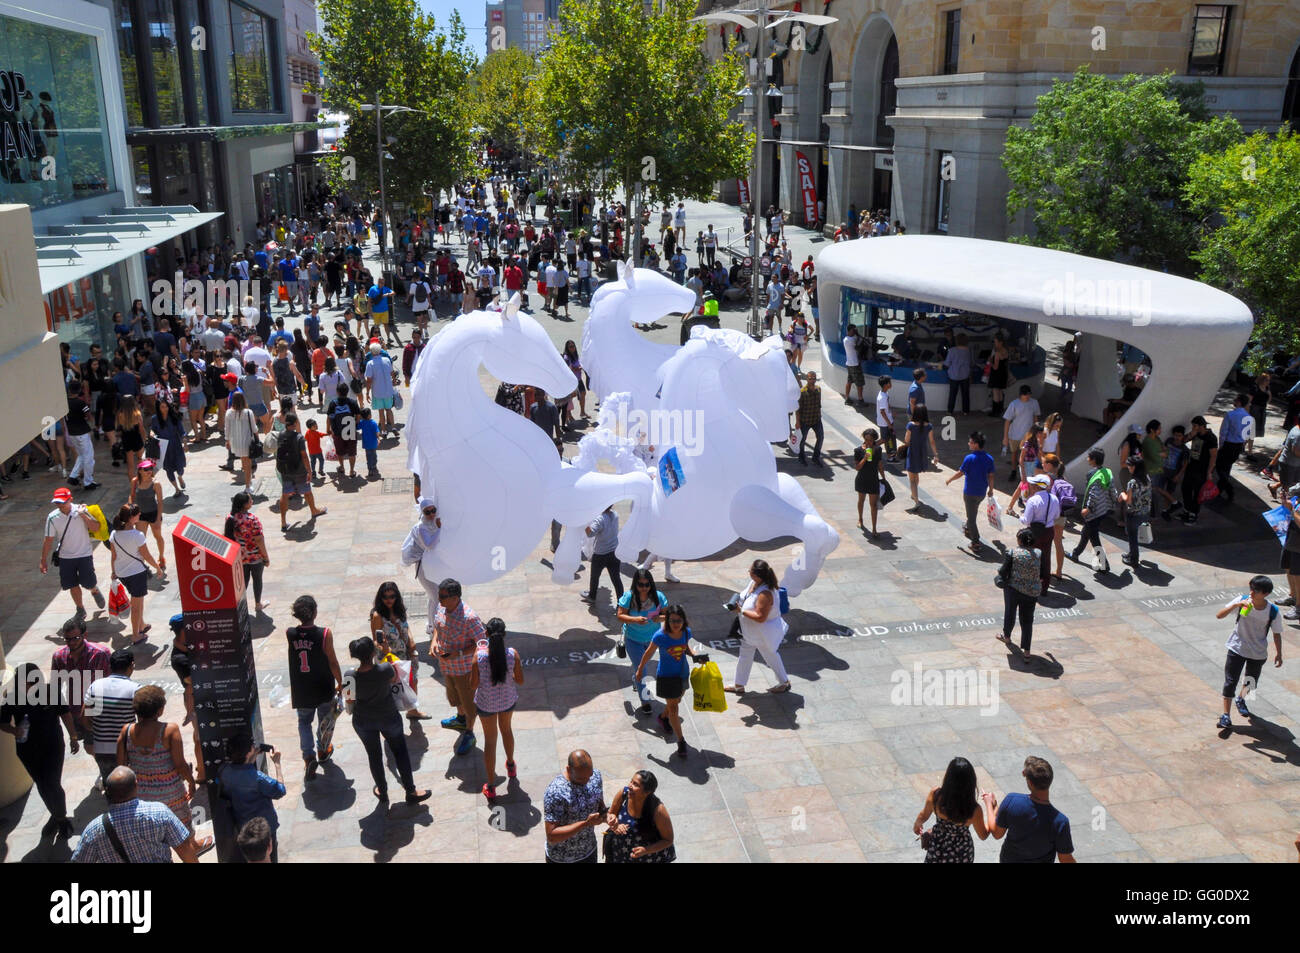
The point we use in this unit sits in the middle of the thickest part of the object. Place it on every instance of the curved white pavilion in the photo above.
(1192, 332)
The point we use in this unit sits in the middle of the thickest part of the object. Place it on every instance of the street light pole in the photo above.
(383, 205)
(755, 187)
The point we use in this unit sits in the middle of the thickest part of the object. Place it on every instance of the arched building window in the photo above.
(888, 98)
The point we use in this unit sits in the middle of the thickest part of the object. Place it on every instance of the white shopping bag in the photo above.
(993, 512)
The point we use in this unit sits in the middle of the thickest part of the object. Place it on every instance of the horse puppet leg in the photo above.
(758, 514)
(576, 497)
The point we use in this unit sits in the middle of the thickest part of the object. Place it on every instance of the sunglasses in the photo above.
(431, 512)
(643, 585)
(390, 598)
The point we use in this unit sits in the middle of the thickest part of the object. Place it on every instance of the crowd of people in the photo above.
(239, 378)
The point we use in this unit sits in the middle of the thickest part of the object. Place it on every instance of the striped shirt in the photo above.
(110, 704)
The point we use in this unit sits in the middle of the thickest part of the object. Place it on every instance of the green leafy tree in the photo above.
(627, 97)
(1102, 165)
(1249, 197)
(498, 92)
(388, 50)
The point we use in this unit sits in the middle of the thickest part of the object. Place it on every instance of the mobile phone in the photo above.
(730, 606)
(264, 748)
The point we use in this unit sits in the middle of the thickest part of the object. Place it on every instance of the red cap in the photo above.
(230, 378)
(62, 495)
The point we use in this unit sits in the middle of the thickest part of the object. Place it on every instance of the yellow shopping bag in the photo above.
(100, 534)
(706, 686)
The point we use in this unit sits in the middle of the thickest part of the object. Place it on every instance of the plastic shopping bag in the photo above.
(706, 686)
(405, 692)
(119, 603)
(1145, 535)
(101, 532)
(1208, 492)
(993, 512)
(331, 454)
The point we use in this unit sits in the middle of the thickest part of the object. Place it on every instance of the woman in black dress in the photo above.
(869, 462)
(31, 713)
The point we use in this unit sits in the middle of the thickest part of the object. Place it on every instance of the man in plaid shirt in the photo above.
(457, 630)
(83, 662)
(147, 831)
(810, 418)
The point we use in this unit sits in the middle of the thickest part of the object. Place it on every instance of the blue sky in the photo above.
(470, 12)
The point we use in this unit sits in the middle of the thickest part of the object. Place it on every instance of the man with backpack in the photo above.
(1247, 646)
(419, 296)
(294, 467)
(343, 412)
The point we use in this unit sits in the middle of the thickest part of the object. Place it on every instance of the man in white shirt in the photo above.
(561, 288)
(1022, 414)
(250, 312)
(109, 703)
(67, 535)
(584, 278)
(213, 338)
(260, 356)
(853, 363)
(775, 297)
(552, 273)
(419, 296)
(885, 415)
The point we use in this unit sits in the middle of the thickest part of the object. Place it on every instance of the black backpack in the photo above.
(288, 453)
(421, 293)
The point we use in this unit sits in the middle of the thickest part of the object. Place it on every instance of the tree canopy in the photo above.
(1248, 195)
(390, 50)
(1102, 166)
(498, 90)
(629, 96)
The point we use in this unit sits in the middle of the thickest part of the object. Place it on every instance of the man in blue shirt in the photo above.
(164, 342)
(379, 295)
(379, 385)
(311, 326)
(251, 792)
(280, 334)
(261, 258)
(1035, 832)
(288, 266)
(1232, 440)
(916, 393)
(978, 468)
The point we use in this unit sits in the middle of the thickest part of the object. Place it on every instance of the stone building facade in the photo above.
(877, 102)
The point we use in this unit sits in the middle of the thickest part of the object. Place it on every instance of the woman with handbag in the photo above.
(640, 610)
(246, 529)
(869, 462)
(1021, 586)
(956, 808)
(640, 830)
(131, 562)
(495, 679)
(392, 634)
(1137, 500)
(241, 430)
(673, 643)
(761, 627)
(374, 713)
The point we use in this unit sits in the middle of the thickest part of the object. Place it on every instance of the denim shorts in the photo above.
(76, 571)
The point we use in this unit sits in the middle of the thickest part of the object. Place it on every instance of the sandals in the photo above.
(512, 769)
(205, 845)
(381, 796)
(489, 792)
(779, 689)
(735, 689)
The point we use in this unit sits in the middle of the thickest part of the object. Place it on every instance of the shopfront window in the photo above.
(197, 60)
(276, 191)
(81, 313)
(126, 59)
(54, 145)
(165, 61)
(180, 186)
(251, 72)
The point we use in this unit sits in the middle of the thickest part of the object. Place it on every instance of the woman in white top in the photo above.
(131, 562)
(240, 427)
(761, 628)
(1052, 436)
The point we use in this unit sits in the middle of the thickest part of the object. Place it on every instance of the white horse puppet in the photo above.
(727, 397)
(615, 355)
(495, 476)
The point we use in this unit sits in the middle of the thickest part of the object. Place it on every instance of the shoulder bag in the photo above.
(115, 840)
(254, 439)
(66, 526)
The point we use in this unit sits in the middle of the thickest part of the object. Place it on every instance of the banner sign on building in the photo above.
(808, 187)
(743, 185)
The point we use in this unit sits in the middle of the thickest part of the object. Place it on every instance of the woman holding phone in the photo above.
(761, 628)
(640, 610)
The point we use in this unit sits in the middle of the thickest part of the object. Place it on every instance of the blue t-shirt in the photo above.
(917, 392)
(251, 793)
(378, 295)
(369, 434)
(147, 373)
(126, 383)
(288, 270)
(311, 328)
(641, 633)
(672, 654)
(379, 371)
(164, 342)
(977, 466)
(1036, 833)
(277, 337)
(261, 258)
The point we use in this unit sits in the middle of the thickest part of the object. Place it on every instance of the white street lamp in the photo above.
(771, 19)
(380, 112)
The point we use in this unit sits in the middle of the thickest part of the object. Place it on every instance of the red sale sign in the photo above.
(743, 185)
(808, 186)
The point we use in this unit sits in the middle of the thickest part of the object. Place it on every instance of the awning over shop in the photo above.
(67, 253)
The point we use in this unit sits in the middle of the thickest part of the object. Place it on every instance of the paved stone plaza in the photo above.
(1122, 697)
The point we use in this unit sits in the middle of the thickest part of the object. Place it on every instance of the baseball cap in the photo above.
(1040, 479)
(62, 495)
(230, 378)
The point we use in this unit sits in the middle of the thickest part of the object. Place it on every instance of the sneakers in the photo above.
(98, 597)
(80, 614)
(465, 744)
(1225, 721)
(1241, 707)
(90, 486)
(1291, 614)
(1189, 518)
(1288, 601)
(455, 723)
(74, 481)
